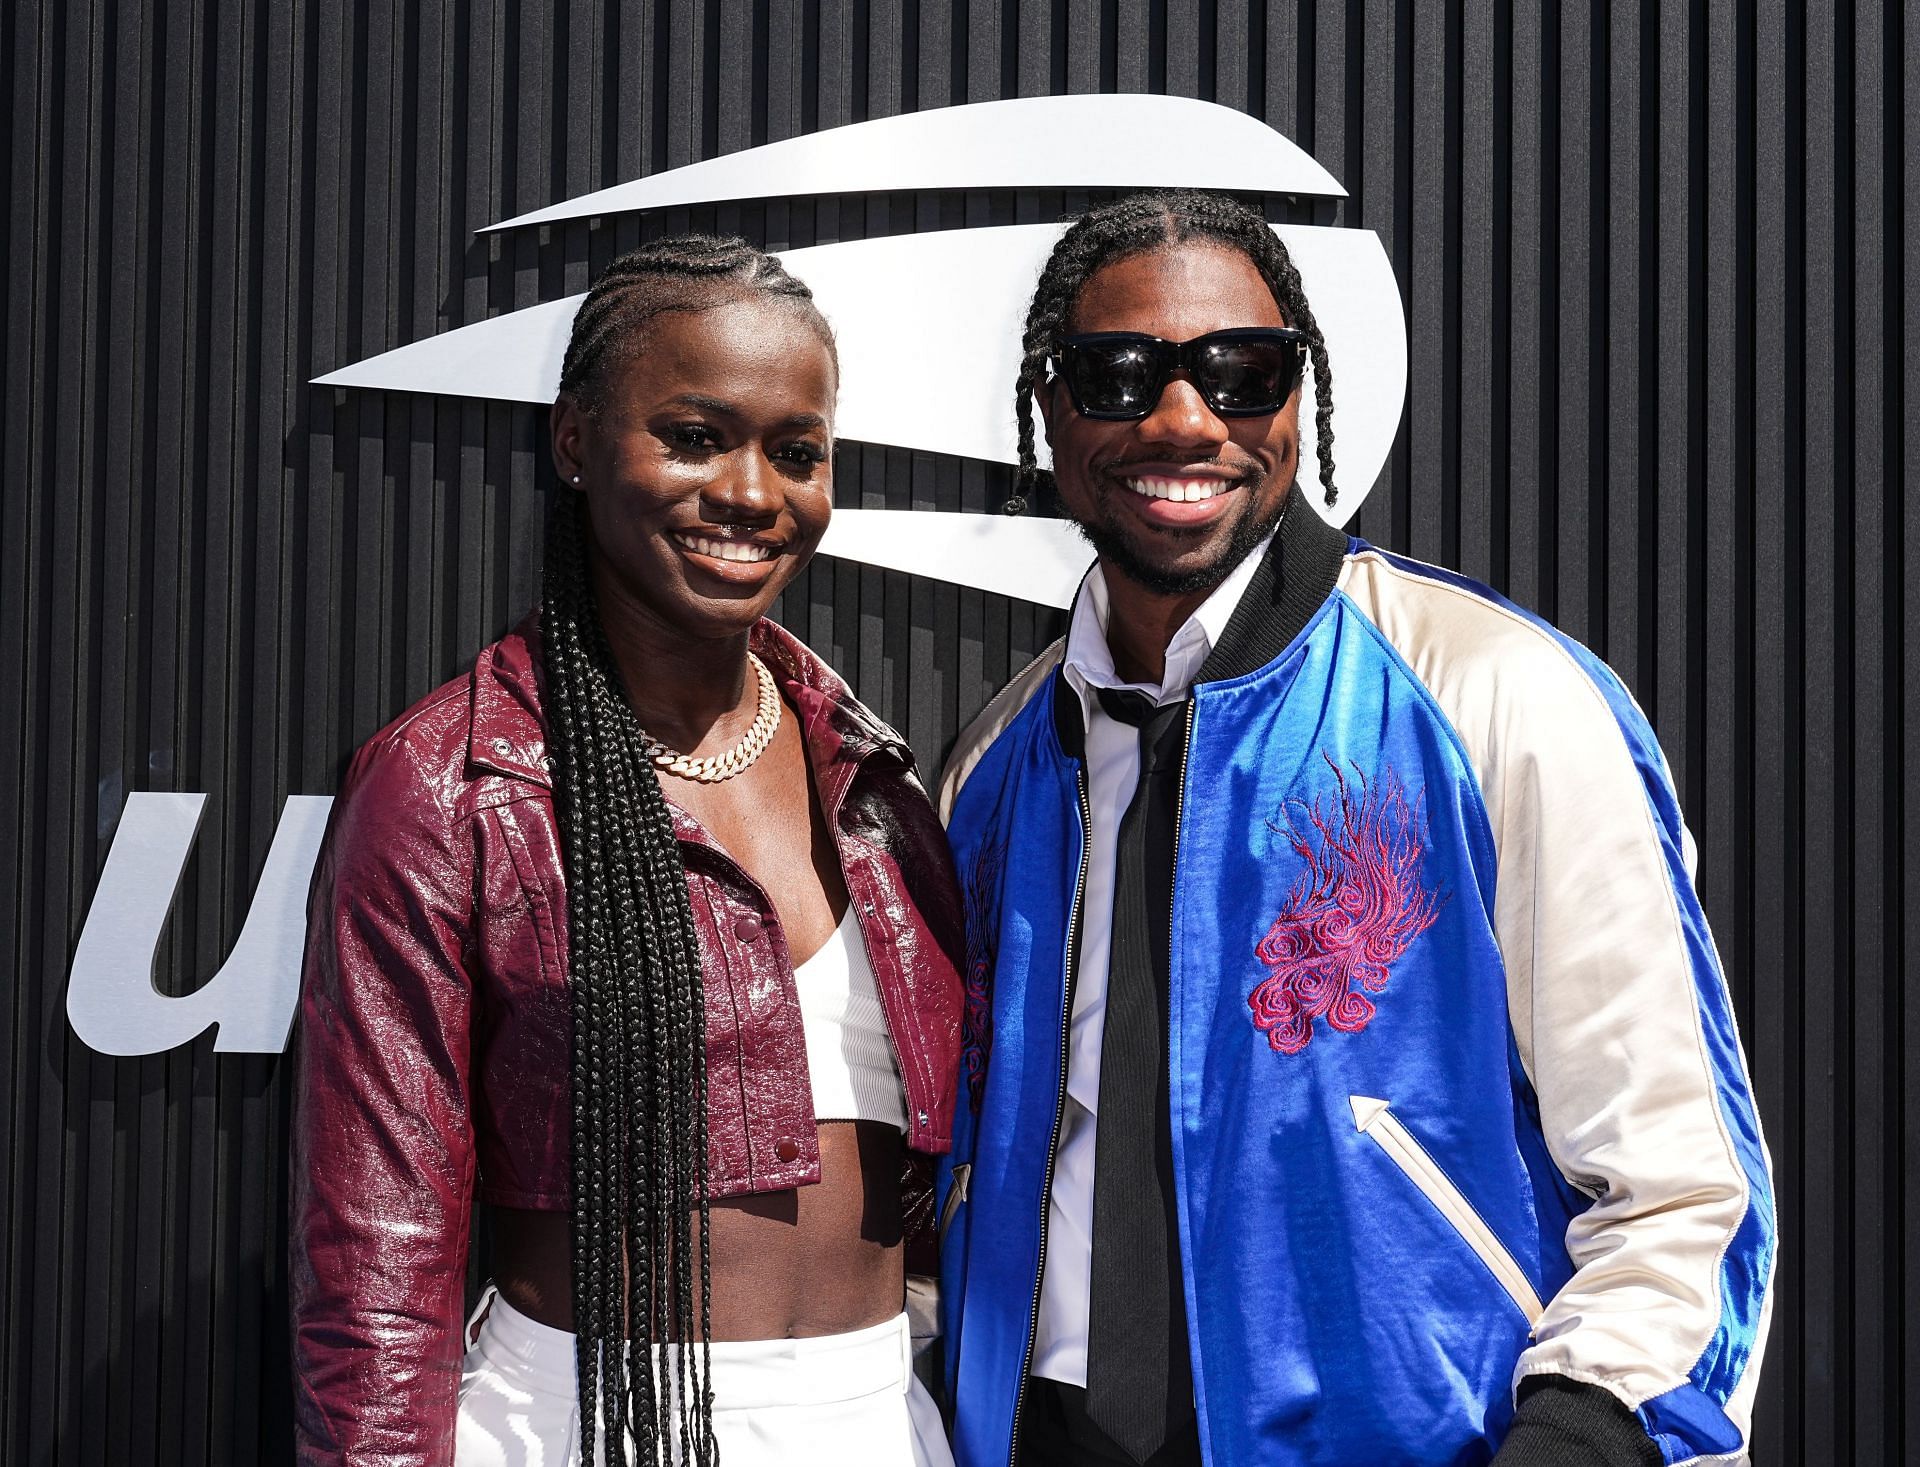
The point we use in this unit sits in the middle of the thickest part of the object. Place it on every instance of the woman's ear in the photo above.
(565, 425)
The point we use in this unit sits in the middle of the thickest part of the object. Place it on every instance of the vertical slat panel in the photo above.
(1825, 756)
(1780, 1074)
(1472, 333)
(19, 1064)
(1871, 1223)
(1677, 297)
(1726, 487)
(1523, 89)
(1903, 421)
(1433, 380)
(1626, 326)
(1384, 207)
(1658, 266)
(1580, 410)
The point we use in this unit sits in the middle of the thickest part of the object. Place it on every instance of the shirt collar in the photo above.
(1088, 664)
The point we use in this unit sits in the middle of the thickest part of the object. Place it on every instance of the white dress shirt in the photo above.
(1113, 770)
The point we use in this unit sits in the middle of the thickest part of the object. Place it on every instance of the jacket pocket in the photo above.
(520, 890)
(1373, 1119)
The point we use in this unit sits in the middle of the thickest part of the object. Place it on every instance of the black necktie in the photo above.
(1139, 1381)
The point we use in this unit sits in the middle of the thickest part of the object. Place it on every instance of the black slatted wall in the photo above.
(1656, 263)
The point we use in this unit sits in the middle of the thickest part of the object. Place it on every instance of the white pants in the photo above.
(834, 1399)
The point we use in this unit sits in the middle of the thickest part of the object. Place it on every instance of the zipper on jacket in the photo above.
(1059, 1101)
(1373, 1118)
(1179, 811)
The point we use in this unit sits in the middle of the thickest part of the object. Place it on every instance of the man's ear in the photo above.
(565, 424)
(1047, 396)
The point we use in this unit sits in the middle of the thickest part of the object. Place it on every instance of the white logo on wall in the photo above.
(965, 290)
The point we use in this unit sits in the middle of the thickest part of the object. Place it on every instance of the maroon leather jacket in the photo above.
(436, 1032)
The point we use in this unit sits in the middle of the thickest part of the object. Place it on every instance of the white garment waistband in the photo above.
(747, 1374)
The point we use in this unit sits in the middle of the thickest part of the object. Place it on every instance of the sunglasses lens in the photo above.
(1240, 373)
(1248, 376)
(1122, 378)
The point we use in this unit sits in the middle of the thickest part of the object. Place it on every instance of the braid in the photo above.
(639, 1076)
(689, 272)
(1135, 225)
(639, 1047)
(639, 1082)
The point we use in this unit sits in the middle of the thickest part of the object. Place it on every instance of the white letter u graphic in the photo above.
(111, 1001)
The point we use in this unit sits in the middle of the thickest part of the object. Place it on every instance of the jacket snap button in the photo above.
(747, 929)
(501, 746)
(786, 1151)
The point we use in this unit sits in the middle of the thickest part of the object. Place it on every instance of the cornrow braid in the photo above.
(639, 1077)
(1136, 225)
(688, 272)
(639, 1081)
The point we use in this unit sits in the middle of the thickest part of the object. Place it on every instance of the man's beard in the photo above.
(1113, 548)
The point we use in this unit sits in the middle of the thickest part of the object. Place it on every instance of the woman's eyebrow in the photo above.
(722, 407)
(718, 405)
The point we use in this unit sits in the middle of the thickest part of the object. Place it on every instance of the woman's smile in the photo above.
(740, 558)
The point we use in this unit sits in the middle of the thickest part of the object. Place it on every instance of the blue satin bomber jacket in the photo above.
(1457, 1096)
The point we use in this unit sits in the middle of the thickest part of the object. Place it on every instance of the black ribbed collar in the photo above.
(1295, 577)
(1292, 582)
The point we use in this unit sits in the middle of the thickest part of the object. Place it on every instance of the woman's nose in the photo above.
(748, 485)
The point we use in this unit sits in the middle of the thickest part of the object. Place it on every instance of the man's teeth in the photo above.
(1181, 491)
(727, 549)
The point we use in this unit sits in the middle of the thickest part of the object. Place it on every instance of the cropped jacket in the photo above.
(435, 1031)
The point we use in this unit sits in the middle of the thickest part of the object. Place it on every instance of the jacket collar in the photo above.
(1293, 581)
(509, 729)
(1296, 576)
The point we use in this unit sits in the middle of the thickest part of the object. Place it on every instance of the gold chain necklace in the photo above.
(752, 744)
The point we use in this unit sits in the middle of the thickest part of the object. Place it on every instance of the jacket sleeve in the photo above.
(1624, 1024)
(382, 1145)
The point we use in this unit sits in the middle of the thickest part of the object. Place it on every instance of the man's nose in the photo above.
(1182, 417)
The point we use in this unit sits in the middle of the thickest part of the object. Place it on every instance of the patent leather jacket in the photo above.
(435, 1025)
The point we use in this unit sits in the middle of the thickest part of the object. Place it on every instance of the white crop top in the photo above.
(849, 1054)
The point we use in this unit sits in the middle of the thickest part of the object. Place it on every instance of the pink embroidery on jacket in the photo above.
(1350, 915)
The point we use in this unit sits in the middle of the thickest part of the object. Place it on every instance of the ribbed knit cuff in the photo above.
(1567, 1423)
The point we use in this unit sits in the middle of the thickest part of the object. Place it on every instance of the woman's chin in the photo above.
(716, 608)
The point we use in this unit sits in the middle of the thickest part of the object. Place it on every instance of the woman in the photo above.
(641, 934)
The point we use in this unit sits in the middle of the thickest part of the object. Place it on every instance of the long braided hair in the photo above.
(639, 1078)
(1138, 224)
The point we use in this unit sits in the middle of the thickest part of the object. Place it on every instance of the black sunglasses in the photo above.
(1246, 372)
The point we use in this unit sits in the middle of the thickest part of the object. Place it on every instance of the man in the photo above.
(1350, 1075)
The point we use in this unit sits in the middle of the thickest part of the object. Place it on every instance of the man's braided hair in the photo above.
(1139, 224)
(641, 1272)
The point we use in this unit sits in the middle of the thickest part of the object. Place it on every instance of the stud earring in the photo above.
(576, 478)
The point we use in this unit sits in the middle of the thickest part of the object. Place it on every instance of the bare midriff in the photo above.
(806, 1261)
